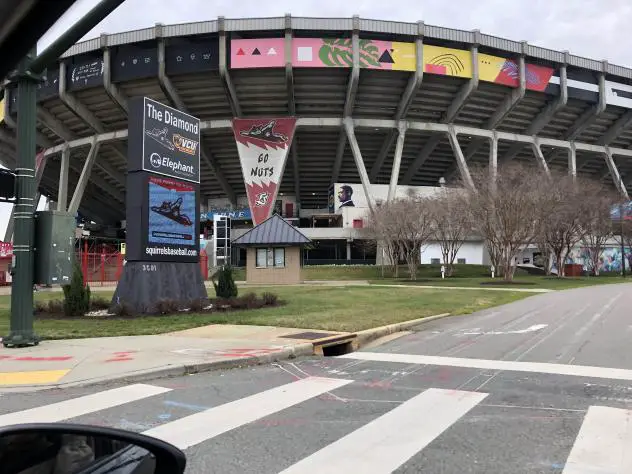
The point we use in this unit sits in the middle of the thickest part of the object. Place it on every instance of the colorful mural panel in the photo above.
(609, 261)
(257, 53)
(506, 72)
(338, 52)
(447, 61)
(386, 55)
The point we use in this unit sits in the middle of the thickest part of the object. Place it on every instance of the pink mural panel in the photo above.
(306, 52)
(376, 54)
(257, 53)
(338, 52)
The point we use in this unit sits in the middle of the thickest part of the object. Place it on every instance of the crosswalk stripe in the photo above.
(74, 407)
(603, 443)
(194, 429)
(538, 367)
(387, 442)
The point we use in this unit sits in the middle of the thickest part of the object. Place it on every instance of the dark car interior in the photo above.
(22, 24)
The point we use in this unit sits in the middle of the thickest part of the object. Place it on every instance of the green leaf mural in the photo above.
(339, 53)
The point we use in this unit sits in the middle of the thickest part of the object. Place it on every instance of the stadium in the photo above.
(378, 104)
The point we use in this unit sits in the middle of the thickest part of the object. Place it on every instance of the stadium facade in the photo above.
(381, 106)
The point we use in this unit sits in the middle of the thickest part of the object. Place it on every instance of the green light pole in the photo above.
(21, 333)
(21, 326)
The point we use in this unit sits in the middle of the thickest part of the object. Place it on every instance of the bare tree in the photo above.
(450, 223)
(505, 212)
(403, 226)
(565, 218)
(597, 222)
(417, 229)
(383, 226)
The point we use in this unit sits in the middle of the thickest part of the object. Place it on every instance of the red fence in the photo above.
(106, 267)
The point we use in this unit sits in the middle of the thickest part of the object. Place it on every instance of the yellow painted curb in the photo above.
(32, 377)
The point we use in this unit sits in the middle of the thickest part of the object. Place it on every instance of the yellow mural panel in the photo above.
(489, 67)
(1, 110)
(404, 56)
(447, 61)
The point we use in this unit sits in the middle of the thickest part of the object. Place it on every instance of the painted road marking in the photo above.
(194, 429)
(476, 332)
(32, 377)
(74, 407)
(603, 443)
(387, 442)
(538, 367)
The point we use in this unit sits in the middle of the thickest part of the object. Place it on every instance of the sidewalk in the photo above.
(73, 362)
(77, 362)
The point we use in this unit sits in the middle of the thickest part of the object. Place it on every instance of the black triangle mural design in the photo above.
(386, 57)
(256, 52)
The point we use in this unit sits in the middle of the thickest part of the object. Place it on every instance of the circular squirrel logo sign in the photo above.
(155, 160)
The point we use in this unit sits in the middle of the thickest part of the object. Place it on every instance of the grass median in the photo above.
(309, 307)
(476, 276)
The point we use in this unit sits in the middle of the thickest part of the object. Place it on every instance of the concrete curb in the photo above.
(368, 335)
(298, 350)
(360, 339)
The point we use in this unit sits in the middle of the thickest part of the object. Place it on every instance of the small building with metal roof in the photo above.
(273, 252)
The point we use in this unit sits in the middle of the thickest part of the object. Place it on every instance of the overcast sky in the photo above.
(598, 29)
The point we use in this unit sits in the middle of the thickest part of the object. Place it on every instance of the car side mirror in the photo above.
(62, 448)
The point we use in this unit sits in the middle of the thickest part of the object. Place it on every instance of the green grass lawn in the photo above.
(464, 275)
(313, 307)
(520, 281)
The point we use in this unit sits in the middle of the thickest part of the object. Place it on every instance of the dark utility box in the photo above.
(54, 246)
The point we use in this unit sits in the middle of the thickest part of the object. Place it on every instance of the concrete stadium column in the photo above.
(457, 104)
(397, 160)
(223, 68)
(469, 87)
(111, 88)
(84, 177)
(493, 158)
(352, 90)
(614, 172)
(357, 156)
(289, 85)
(537, 151)
(405, 101)
(506, 107)
(545, 115)
(572, 160)
(62, 192)
(348, 250)
(460, 158)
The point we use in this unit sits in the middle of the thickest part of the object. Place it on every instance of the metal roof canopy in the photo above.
(321, 99)
(273, 231)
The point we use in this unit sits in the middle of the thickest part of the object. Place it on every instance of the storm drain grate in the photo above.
(310, 335)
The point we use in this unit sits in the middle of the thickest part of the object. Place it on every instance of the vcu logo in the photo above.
(185, 145)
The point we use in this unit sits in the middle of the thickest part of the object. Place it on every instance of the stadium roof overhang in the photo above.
(429, 115)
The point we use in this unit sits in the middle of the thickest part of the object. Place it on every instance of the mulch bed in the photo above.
(101, 310)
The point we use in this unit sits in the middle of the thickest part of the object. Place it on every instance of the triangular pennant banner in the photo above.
(272, 52)
(386, 57)
(256, 52)
(240, 52)
(263, 146)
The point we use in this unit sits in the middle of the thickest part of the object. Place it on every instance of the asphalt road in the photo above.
(543, 385)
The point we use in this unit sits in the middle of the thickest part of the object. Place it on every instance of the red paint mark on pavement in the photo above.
(121, 356)
(42, 359)
(378, 384)
(36, 359)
